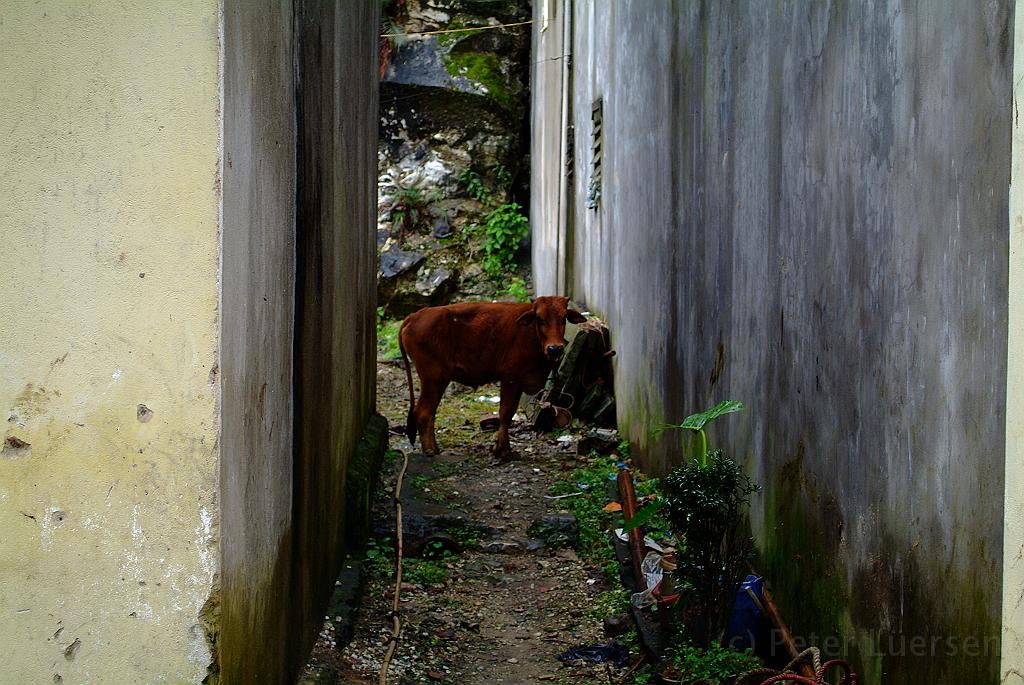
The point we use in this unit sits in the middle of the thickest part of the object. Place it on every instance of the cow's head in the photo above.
(548, 316)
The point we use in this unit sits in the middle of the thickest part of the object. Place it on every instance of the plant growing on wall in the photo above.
(474, 185)
(502, 176)
(504, 230)
(706, 499)
(408, 210)
(392, 36)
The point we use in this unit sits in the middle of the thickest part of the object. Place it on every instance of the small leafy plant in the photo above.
(502, 175)
(504, 230)
(474, 185)
(516, 289)
(587, 490)
(409, 210)
(379, 555)
(425, 571)
(713, 665)
(696, 423)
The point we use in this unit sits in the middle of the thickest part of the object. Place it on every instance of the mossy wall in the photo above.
(804, 207)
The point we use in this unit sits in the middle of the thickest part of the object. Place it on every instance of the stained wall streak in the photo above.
(299, 303)
(335, 348)
(805, 207)
(258, 306)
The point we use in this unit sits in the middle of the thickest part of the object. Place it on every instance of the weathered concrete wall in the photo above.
(550, 208)
(335, 344)
(258, 305)
(109, 156)
(298, 356)
(1012, 670)
(804, 207)
(183, 408)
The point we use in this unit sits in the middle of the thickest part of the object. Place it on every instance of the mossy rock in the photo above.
(484, 69)
(426, 110)
(505, 11)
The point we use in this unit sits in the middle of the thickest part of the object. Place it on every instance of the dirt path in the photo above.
(499, 610)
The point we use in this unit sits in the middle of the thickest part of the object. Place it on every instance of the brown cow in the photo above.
(481, 342)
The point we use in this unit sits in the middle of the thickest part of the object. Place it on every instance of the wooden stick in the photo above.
(773, 613)
(636, 536)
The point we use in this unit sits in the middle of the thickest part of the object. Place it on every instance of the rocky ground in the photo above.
(492, 605)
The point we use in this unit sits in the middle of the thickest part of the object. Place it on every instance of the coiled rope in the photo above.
(767, 676)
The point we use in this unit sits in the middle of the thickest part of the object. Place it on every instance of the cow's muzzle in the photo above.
(555, 352)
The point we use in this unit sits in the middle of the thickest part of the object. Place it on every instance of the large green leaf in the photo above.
(697, 421)
(645, 514)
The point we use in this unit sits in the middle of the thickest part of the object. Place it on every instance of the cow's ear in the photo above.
(526, 318)
(573, 316)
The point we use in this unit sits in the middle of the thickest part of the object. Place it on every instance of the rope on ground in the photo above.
(767, 676)
(462, 30)
(396, 628)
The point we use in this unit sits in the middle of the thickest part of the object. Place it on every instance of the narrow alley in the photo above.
(493, 603)
(792, 233)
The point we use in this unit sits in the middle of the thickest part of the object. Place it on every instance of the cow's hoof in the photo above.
(504, 455)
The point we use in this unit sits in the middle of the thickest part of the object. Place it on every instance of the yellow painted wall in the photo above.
(109, 201)
(1012, 668)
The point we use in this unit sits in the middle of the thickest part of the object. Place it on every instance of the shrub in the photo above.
(504, 230)
(706, 501)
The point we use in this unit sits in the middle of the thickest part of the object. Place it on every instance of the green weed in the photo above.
(387, 336)
(714, 664)
(504, 230)
(592, 481)
(379, 558)
(425, 571)
(466, 536)
(474, 185)
(502, 175)
(517, 290)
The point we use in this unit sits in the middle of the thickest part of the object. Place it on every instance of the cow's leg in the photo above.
(510, 394)
(431, 392)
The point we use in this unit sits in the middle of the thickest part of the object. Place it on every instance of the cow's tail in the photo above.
(410, 421)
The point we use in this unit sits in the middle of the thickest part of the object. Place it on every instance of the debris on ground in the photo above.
(556, 530)
(598, 654)
(600, 440)
(582, 387)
